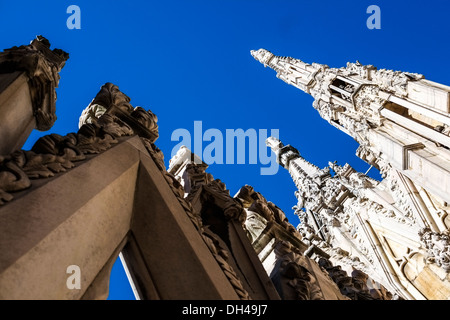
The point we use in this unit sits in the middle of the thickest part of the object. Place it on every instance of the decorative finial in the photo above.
(262, 55)
(274, 143)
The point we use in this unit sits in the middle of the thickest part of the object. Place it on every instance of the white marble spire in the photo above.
(293, 71)
(287, 155)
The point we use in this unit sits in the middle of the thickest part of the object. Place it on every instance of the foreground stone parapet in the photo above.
(75, 202)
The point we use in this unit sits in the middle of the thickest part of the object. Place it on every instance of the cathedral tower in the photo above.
(398, 227)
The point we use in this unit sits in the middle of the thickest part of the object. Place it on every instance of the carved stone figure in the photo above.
(292, 280)
(42, 67)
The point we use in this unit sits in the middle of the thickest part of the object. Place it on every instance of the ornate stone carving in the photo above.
(54, 153)
(366, 153)
(91, 113)
(255, 202)
(394, 81)
(216, 192)
(356, 68)
(42, 67)
(262, 56)
(401, 198)
(351, 178)
(292, 279)
(113, 101)
(438, 247)
(110, 95)
(355, 287)
(388, 80)
(357, 127)
(254, 225)
(221, 256)
(363, 100)
(391, 114)
(197, 176)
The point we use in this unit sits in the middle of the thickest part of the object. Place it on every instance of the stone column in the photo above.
(28, 78)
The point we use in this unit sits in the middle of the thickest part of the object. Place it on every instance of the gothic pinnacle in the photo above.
(274, 143)
(287, 153)
(262, 55)
(292, 71)
(284, 153)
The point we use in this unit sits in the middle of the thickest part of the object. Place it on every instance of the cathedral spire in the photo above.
(290, 158)
(292, 71)
(364, 102)
(262, 55)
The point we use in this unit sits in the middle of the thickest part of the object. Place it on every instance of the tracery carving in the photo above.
(352, 208)
(399, 195)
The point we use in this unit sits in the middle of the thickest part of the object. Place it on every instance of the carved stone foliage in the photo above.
(222, 257)
(351, 178)
(394, 81)
(355, 287)
(91, 113)
(344, 258)
(388, 80)
(144, 123)
(42, 67)
(312, 195)
(356, 68)
(363, 99)
(212, 191)
(356, 126)
(437, 246)
(255, 224)
(54, 153)
(309, 194)
(366, 153)
(290, 276)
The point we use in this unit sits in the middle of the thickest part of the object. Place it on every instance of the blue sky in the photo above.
(190, 61)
